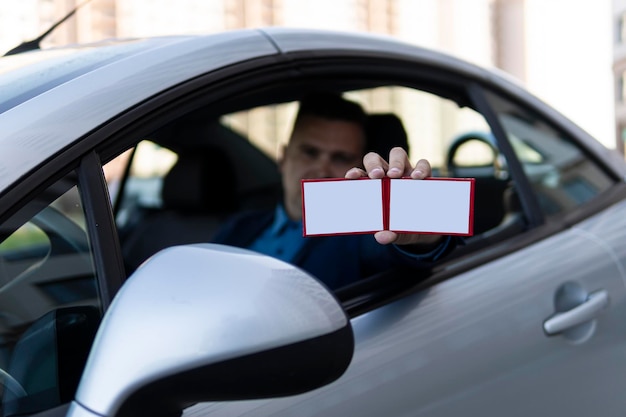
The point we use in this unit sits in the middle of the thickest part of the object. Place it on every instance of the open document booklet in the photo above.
(339, 206)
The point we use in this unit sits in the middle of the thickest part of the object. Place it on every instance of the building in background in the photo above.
(619, 68)
(561, 50)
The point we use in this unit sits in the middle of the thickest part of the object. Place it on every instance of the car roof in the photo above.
(82, 87)
(47, 122)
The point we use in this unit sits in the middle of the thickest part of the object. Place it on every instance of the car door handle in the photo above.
(582, 313)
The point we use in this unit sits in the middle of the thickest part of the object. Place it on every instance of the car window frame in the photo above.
(191, 95)
(98, 217)
(120, 133)
(549, 224)
(80, 174)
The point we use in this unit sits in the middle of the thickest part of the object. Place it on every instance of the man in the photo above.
(328, 140)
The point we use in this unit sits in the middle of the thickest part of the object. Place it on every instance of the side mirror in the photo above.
(210, 322)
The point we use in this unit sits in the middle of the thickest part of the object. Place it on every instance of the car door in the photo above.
(520, 322)
(471, 338)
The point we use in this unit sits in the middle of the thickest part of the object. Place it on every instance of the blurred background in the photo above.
(570, 53)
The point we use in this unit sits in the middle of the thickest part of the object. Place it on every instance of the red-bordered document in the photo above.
(338, 206)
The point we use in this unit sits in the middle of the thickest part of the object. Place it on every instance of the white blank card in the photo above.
(434, 205)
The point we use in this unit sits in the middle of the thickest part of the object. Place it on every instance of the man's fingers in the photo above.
(355, 173)
(399, 164)
(385, 237)
(397, 167)
(375, 165)
(422, 170)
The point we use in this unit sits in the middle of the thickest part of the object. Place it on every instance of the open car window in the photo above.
(223, 159)
(183, 181)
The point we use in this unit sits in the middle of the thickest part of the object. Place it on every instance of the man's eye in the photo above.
(342, 159)
(310, 152)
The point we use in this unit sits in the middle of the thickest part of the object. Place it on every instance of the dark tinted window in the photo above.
(563, 176)
(49, 301)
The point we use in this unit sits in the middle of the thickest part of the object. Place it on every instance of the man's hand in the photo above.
(398, 166)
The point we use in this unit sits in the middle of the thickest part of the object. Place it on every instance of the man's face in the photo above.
(318, 148)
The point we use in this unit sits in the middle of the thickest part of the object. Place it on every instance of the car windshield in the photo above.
(26, 75)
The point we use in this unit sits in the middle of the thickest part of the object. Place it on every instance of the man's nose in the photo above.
(323, 167)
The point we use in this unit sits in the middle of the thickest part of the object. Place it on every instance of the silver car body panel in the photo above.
(475, 345)
(45, 124)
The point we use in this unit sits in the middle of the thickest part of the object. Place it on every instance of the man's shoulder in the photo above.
(252, 214)
(242, 227)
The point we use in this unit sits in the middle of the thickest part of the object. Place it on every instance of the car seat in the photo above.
(198, 193)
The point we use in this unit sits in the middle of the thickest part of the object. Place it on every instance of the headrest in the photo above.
(201, 181)
(385, 131)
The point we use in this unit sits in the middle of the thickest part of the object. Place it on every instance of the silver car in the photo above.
(113, 301)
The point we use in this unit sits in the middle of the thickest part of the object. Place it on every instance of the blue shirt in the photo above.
(335, 260)
(282, 239)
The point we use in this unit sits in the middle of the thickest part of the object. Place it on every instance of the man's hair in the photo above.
(384, 132)
(331, 106)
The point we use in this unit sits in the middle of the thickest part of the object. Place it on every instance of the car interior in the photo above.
(220, 169)
(203, 187)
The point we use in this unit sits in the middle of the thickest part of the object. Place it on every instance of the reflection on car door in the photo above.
(476, 345)
(538, 331)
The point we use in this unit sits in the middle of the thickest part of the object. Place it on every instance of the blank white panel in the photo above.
(436, 206)
(335, 207)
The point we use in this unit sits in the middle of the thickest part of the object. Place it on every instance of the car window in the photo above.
(49, 302)
(436, 127)
(474, 153)
(197, 149)
(561, 174)
(432, 122)
(149, 162)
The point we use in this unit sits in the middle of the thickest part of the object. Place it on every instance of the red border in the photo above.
(332, 234)
(386, 195)
(386, 186)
